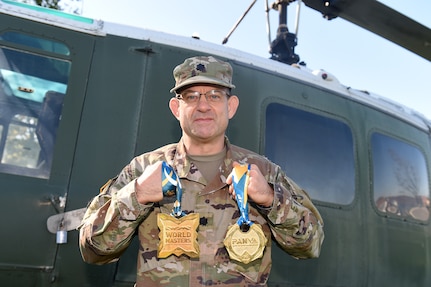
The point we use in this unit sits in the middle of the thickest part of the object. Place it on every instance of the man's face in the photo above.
(205, 118)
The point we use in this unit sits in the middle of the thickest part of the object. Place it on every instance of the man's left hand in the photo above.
(258, 189)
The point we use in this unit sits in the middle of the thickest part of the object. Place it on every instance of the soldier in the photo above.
(216, 228)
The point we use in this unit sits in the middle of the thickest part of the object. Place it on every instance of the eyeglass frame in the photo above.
(179, 96)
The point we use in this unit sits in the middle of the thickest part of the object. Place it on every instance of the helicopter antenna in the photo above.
(237, 23)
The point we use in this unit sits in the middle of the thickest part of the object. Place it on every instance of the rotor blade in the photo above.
(381, 20)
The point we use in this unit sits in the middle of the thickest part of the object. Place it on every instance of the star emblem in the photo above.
(201, 67)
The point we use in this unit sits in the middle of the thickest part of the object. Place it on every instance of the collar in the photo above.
(184, 169)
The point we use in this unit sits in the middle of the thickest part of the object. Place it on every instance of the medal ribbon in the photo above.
(240, 177)
(171, 185)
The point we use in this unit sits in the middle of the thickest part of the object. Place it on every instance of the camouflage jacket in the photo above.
(115, 216)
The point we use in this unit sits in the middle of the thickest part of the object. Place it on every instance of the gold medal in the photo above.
(245, 240)
(178, 235)
(245, 246)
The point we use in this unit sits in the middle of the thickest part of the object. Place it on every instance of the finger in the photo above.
(233, 195)
(230, 189)
(229, 179)
(254, 170)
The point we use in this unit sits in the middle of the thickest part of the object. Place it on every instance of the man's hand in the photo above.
(258, 189)
(148, 186)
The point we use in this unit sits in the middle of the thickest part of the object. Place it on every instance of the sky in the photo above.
(358, 58)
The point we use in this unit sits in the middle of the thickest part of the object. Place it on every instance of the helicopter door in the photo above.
(41, 97)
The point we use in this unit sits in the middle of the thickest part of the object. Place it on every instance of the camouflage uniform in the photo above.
(114, 216)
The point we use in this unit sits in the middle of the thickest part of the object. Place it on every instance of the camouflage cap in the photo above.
(203, 70)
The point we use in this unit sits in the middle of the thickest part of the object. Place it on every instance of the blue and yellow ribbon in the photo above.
(240, 177)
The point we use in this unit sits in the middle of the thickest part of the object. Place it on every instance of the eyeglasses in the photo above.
(212, 96)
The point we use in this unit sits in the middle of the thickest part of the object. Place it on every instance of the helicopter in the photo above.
(77, 103)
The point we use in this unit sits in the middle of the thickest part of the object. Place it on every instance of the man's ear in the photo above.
(233, 103)
(174, 106)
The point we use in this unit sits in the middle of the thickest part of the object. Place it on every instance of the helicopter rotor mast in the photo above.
(282, 49)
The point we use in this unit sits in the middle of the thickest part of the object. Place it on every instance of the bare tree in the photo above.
(53, 4)
(68, 6)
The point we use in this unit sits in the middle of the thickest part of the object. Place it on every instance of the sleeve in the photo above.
(295, 222)
(111, 220)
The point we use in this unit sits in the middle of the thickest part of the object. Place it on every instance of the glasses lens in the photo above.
(214, 95)
(192, 97)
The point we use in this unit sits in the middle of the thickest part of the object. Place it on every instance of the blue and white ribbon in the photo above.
(171, 185)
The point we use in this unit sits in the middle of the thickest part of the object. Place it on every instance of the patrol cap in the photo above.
(203, 70)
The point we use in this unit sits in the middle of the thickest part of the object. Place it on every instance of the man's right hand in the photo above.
(148, 186)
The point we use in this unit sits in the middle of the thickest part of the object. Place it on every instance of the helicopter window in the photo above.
(400, 178)
(35, 42)
(22, 147)
(32, 89)
(315, 151)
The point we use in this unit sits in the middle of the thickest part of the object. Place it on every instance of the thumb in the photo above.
(235, 164)
(229, 178)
